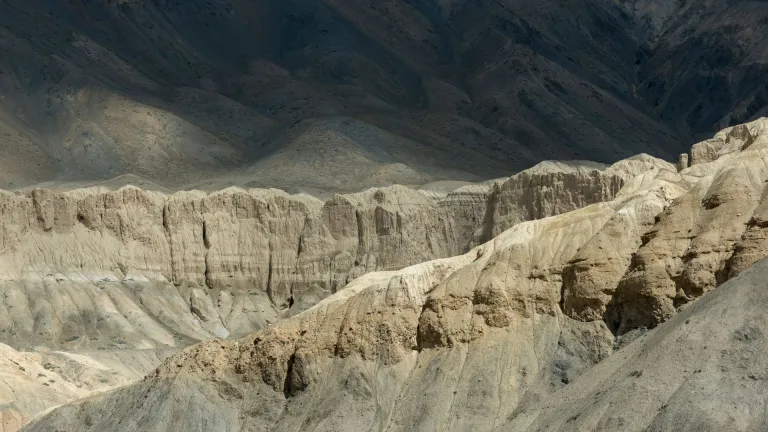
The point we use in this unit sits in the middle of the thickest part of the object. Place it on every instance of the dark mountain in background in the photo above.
(418, 90)
(438, 302)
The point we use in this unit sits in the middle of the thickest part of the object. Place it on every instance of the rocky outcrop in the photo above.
(703, 370)
(192, 266)
(553, 188)
(484, 329)
(235, 259)
(482, 340)
(591, 277)
(121, 271)
(729, 140)
(469, 205)
(704, 238)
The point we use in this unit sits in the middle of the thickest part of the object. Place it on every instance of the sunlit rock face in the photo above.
(508, 335)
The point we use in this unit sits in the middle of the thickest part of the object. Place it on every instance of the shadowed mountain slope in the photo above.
(182, 92)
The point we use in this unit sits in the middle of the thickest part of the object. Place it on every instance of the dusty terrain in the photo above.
(332, 215)
(507, 335)
(116, 280)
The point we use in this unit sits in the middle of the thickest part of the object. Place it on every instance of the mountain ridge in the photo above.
(483, 339)
(97, 83)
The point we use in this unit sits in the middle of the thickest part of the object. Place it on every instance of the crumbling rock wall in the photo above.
(474, 340)
(191, 266)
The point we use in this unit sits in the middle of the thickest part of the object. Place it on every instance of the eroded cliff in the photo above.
(476, 340)
(133, 268)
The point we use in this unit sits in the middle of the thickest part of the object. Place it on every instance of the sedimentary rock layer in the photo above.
(479, 333)
(94, 267)
(480, 340)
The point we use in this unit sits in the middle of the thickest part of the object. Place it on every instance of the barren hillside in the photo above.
(215, 93)
(497, 338)
(383, 215)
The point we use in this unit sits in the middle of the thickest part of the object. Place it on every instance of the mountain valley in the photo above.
(383, 215)
(391, 309)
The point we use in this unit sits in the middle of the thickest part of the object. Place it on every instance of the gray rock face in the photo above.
(539, 192)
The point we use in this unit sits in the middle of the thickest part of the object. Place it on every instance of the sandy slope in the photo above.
(704, 370)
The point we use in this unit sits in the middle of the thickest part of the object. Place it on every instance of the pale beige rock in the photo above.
(700, 241)
(552, 188)
(590, 279)
(489, 319)
(33, 382)
(468, 342)
(469, 207)
(703, 370)
(472, 341)
(225, 263)
(730, 140)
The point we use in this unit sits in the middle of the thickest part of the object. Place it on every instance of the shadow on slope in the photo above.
(705, 369)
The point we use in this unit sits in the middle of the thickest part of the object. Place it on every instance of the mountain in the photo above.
(332, 215)
(542, 327)
(99, 285)
(212, 93)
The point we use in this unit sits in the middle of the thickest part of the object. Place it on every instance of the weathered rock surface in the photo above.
(32, 382)
(483, 340)
(483, 329)
(704, 238)
(552, 188)
(192, 266)
(95, 270)
(703, 370)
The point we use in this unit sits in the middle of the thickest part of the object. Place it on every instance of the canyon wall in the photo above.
(482, 340)
(130, 268)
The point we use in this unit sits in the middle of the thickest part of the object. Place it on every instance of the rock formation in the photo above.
(705, 237)
(139, 236)
(191, 266)
(592, 257)
(423, 324)
(703, 370)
